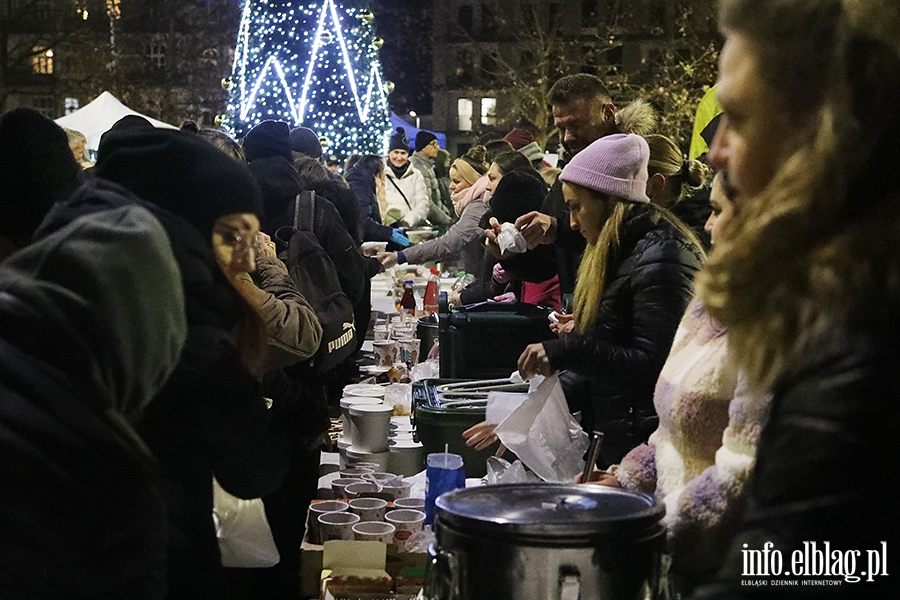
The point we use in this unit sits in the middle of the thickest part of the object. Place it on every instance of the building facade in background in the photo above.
(164, 58)
(495, 60)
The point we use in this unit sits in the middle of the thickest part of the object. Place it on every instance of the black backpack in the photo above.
(314, 273)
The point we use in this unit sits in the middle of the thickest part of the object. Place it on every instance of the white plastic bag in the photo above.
(245, 539)
(542, 433)
(510, 241)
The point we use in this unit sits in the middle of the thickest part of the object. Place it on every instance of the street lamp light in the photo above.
(413, 114)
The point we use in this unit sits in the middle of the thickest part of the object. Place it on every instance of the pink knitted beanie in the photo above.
(615, 164)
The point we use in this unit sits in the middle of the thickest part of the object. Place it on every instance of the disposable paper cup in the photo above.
(354, 455)
(407, 521)
(319, 508)
(355, 472)
(363, 389)
(409, 350)
(400, 489)
(385, 352)
(371, 425)
(356, 490)
(403, 332)
(413, 503)
(369, 509)
(366, 465)
(382, 478)
(338, 485)
(400, 422)
(346, 403)
(374, 531)
(337, 526)
(406, 456)
(381, 333)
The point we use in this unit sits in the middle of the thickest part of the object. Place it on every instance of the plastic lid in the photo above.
(371, 409)
(548, 510)
(348, 401)
(363, 389)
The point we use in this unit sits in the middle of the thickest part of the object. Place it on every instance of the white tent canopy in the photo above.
(97, 117)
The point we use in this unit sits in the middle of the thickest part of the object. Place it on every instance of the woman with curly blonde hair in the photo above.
(808, 280)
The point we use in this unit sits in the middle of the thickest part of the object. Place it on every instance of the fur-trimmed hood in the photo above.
(638, 116)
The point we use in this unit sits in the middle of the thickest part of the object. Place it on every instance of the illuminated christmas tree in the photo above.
(313, 64)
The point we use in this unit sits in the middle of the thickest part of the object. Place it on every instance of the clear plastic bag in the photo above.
(542, 433)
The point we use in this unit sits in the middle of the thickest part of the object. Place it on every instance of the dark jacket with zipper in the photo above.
(649, 284)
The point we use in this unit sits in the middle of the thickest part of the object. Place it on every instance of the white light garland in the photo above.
(328, 83)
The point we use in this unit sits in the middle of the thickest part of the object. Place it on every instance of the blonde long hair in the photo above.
(600, 258)
(821, 237)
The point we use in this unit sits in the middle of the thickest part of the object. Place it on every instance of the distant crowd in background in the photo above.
(188, 308)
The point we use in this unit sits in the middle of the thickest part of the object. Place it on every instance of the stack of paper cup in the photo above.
(346, 403)
(407, 456)
(371, 425)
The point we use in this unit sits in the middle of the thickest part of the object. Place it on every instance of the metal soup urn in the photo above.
(545, 541)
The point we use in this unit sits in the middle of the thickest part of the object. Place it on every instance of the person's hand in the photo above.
(265, 247)
(499, 275)
(507, 297)
(387, 259)
(537, 228)
(534, 361)
(400, 239)
(565, 324)
(490, 238)
(453, 297)
(482, 436)
(600, 478)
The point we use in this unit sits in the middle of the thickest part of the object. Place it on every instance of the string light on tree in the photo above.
(314, 64)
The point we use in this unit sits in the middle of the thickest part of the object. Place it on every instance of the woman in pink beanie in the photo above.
(633, 286)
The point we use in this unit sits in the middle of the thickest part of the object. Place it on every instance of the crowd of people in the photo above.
(731, 323)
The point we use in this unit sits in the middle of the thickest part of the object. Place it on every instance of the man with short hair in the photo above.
(426, 149)
(583, 112)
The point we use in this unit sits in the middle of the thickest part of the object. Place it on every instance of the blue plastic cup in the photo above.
(444, 472)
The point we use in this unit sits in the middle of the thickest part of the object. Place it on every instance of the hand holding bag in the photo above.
(542, 433)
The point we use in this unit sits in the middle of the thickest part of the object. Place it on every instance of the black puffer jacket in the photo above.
(646, 294)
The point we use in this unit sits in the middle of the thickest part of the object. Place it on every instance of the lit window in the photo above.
(42, 61)
(488, 110)
(156, 50)
(71, 105)
(464, 112)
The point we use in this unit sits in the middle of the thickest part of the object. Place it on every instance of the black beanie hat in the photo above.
(519, 192)
(423, 138)
(269, 138)
(37, 168)
(126, 122)
(305, 141)
(280, 184)
(180, 173)
(399, 141)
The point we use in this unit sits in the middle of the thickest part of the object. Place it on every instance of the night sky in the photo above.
(406, 55)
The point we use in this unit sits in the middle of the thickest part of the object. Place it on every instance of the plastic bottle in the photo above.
(430, 302)
(408, 301)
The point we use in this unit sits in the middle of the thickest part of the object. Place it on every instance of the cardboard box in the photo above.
(351, 568)
(405, 568)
